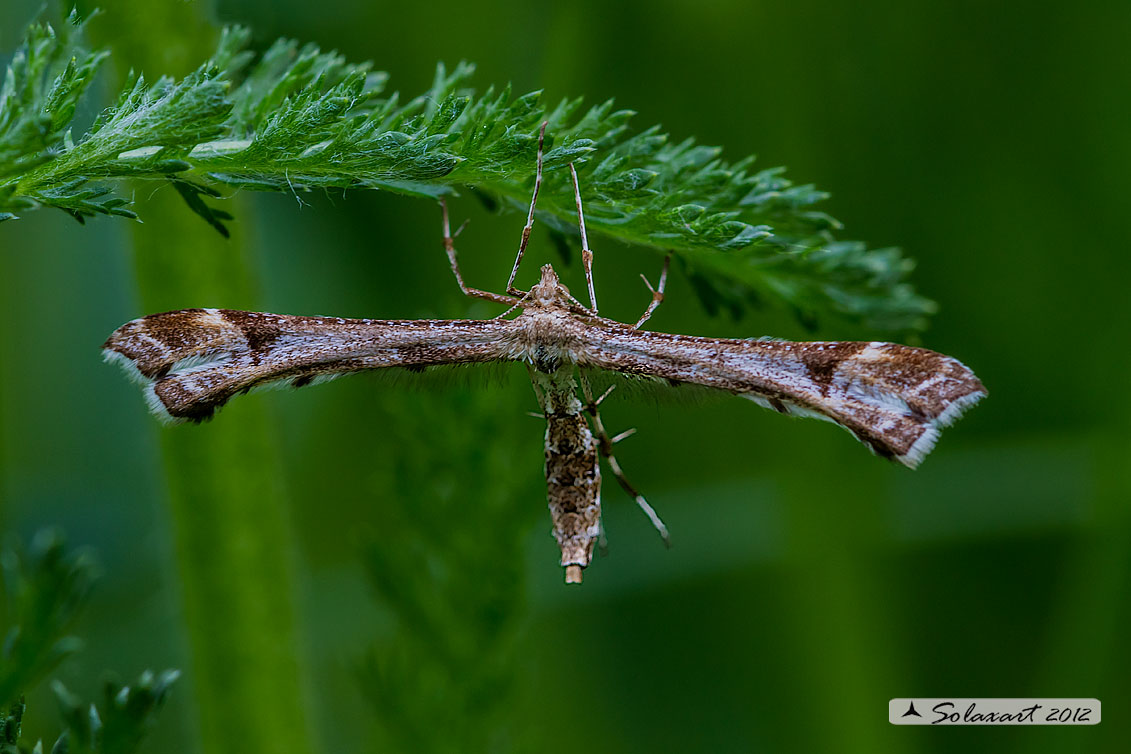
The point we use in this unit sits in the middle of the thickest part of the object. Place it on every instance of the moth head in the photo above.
(549, 291)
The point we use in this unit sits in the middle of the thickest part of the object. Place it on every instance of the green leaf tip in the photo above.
(120, 722)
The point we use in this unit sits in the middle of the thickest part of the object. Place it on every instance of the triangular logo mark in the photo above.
(911, 711)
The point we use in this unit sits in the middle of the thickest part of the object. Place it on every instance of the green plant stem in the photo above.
(229, 510)
(231, 519)
(3, 448)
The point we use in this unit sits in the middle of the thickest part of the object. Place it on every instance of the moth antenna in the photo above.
(586, 254)
(530, 215)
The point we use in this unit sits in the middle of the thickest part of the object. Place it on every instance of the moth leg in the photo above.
(586, 253)
(581, 308)
(623, 435)
(450, 248)
(530, 216)
(537, 393)
(657, 292)
(605, 445)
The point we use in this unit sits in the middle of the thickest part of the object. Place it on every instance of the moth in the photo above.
(892, 398)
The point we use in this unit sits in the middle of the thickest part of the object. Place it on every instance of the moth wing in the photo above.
(192, 361)
(893, 398)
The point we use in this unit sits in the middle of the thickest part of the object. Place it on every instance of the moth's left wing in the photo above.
(192, 361)
(893, 398)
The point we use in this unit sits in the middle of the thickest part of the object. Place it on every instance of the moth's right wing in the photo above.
(893, 398)
(192, 361)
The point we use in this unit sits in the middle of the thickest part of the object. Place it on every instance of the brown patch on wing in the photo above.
(823, 363)
(176, 329)
(156, 342)
(927, 381)
(259, 330)
(893, 442)
(186, 405)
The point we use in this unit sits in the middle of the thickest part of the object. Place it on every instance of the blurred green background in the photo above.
(809, 582)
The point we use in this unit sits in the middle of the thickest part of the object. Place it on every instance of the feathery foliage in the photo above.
(119, 724)
(116, 727)
(440, 681)
(45, 588)
(297, 118)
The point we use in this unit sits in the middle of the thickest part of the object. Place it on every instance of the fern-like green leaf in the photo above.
(44, 588)
(299, 119)
(118, 725)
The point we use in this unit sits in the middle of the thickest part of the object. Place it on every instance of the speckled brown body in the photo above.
(573, 470)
